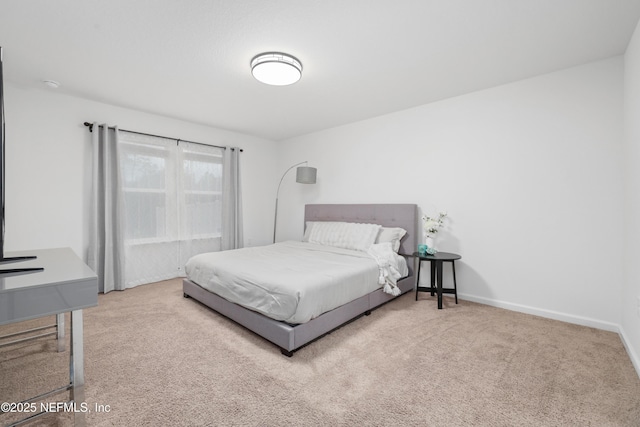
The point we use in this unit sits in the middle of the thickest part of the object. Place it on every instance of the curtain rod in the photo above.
(90, 126)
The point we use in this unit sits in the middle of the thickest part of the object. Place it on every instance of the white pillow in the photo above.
(307, 231)
(347, 235)
(392, 235)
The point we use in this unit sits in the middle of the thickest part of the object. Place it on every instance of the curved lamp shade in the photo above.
(275, 68)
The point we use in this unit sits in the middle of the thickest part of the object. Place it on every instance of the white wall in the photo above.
(49, 166)
(631, 289)
(530, 173)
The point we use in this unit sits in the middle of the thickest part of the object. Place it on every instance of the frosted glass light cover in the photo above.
(277, 69)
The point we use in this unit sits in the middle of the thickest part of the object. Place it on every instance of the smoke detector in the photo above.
(51, 84)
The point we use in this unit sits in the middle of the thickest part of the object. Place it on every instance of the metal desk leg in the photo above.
(76, 366)
(439, 283)
(60, 331)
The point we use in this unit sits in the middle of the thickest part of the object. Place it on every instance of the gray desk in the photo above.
(65, 285)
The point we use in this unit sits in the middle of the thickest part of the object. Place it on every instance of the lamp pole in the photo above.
(275, 217)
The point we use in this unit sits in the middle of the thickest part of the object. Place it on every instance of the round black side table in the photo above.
(436, 262)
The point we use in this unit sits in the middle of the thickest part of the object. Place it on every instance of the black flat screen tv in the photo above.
(3, 259)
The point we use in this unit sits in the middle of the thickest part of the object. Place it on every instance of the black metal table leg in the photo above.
(433, 276)
(418, 278)
(455, 286)
(439, 283)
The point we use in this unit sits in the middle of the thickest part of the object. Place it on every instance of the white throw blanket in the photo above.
(388, 264)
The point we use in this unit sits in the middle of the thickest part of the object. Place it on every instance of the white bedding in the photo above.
(289, 281)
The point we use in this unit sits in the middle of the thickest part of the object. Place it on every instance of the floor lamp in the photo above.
(304, 175)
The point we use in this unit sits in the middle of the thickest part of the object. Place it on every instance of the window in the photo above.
(202, 193)
(147, 189)
(172, 193)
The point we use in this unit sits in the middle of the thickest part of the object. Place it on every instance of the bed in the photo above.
(290, 331)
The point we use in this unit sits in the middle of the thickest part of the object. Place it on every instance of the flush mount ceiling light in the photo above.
(275, 68)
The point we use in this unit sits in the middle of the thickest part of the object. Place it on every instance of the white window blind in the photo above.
(172, 204)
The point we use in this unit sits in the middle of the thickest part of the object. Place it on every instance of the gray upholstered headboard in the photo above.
(387, 215)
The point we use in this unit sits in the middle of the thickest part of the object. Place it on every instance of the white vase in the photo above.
(429, 240)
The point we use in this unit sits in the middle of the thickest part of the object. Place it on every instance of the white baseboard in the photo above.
(555, 315)
(632, 354)
(549, 314)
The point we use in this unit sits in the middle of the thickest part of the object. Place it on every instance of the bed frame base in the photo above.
(293, 337)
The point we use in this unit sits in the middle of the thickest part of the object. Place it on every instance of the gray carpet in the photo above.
(157, 358)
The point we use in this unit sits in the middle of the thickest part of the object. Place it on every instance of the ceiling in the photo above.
(189, 59)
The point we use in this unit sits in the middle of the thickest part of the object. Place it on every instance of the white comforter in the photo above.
(289, 281)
